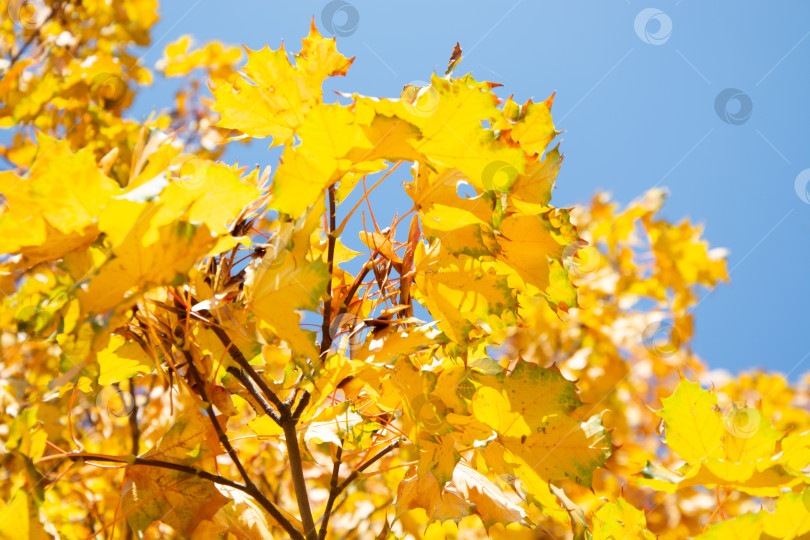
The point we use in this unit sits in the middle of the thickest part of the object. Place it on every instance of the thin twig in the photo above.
(223, 438)
(366, 465)
(358, 281)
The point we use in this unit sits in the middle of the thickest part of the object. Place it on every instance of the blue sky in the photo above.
(636, 95)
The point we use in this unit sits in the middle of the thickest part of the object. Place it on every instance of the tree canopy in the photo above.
(489, 364)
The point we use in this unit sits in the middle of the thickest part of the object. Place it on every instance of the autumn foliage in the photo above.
(489, 364)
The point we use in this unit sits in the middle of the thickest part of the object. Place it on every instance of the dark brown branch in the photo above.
(199, 473)
(302, 404)
(292, 449)
(248, 385)
(135, 436)
(287, 422)
(134, 429)
(333, 492)
(326, 327)
(294, 394)
(223, 438)
(240, 359)
(336, 491)
(297, 473)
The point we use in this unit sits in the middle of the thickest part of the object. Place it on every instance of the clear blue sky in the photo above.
(638, 110)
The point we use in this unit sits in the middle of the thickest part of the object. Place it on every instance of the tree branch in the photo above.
(240, 359)
(223, 438)
(248, 385)
(333, 492)
(292, 450)
(134, 430)
(135, 437)
(326, 330)
(302, 404)
(287, 421)
(336, 490)
(297, 473)
(193, 471)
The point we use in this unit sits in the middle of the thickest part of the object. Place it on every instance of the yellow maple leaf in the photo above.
(620, 519)
(328, 134)
(47, 216)
(460, 292)
(277, 95)
(531, 410)
(120, 360)
(529, 125)
(275, 290)
(142, 250)
(211, 192)
(693, 429)
(172, 497)
(453, 136)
